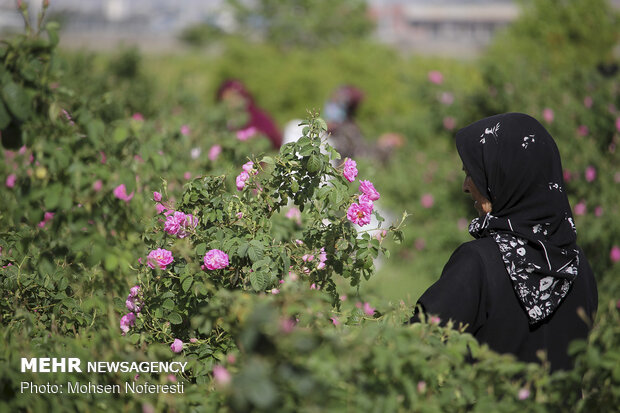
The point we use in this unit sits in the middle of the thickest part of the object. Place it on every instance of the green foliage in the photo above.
(263, 251)
(302, 23)
(287, 346)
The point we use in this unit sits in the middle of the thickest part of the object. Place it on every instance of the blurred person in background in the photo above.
(339, 113)
(523, 285)
(254, 120)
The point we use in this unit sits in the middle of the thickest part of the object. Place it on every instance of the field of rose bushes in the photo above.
(137, 226)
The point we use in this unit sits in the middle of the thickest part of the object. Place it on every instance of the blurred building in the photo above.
(448, 27)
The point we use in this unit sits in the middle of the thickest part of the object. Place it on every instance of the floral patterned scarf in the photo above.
(515, 163)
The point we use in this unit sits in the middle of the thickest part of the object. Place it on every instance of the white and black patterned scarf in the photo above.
(515, 163)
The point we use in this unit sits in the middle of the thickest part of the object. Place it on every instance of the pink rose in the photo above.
(287, 325)
(133, 304)
(590, 173)
(240, 180)
(368, 310)
(103, 157)
(335, 321)
(294, 214)
(10, 180)
(449, 123)
(580, 208)
(249, 168)
(97, 185)
(187, 176)
(214, 152)
(614, 254)
(582, 130)
(598, 211)
(121, 193)
(137, 116)
(245, 134)
(359, 214)
(186, 223)
(568, 176)
(176, 346)
(216, 259)
(127, 321)
(134, 291)
(350, 170)
(547, 115)
(368, 189)
(523, 394)
(221, 375)
(160, 208)
(427, 201)
(364, 199)
(185, 130)
(587, 102)
(156, 196)
(618, 124)
(173, 222)
(435, 76)
(322, 258)
(160, 257)
(446, 98)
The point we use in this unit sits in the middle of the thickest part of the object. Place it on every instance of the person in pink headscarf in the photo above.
(236, 94)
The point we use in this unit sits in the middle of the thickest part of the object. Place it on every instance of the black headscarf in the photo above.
(515, 163)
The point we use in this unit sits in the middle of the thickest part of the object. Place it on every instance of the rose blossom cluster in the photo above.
(179, 223)
(127, 321)
(360, 212)
(47, 217)
(248, 169)
(320, 259)
(134, 299)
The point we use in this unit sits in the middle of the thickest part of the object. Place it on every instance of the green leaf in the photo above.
(120, 134)
(242, 251)
(268, 160)
(17, 100)
(52, 196)
(175, 318)
(322, 124)
(314, 164)
(168, 304)
(201, 249)
(187, 283)
(258, 279)
(111, 262)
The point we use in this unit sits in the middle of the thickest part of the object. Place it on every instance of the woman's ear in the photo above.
(487, 206)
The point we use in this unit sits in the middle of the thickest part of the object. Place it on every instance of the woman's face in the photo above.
(482, 204)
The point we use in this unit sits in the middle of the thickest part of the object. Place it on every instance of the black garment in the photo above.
(474, 289)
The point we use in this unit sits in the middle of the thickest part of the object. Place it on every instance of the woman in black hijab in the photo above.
(523, 285)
